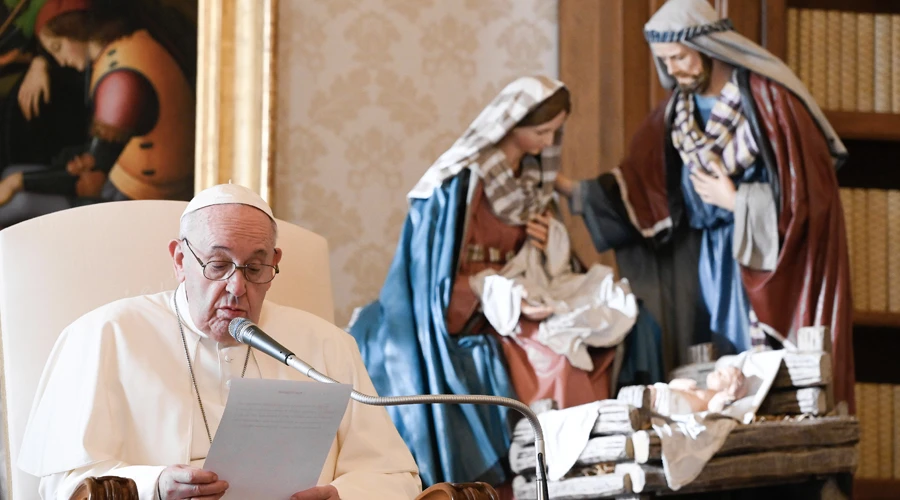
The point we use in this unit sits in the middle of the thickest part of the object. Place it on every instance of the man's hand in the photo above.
(35, 88)
(81, 164)
(537, 229)
(715, 189)
(327, 492)
(564, 185)
(183, 481)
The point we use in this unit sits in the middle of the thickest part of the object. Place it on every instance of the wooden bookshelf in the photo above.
(876, 489)
(865, 126)
(874, 6)
(876, 319)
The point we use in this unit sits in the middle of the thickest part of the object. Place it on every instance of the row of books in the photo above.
(850, 61)
(877, 407)
(872, 219)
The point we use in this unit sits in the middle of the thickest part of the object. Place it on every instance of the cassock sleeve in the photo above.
(599, 203)
(756, 227)
(373, 461)
(61, 486)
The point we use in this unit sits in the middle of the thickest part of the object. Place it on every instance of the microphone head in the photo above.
(237, 327)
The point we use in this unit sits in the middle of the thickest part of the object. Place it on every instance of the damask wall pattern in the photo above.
(370, 93)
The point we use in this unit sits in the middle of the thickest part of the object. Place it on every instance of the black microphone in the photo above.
(246, 332)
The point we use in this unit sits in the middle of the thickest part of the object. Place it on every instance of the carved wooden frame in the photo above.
(236, 82)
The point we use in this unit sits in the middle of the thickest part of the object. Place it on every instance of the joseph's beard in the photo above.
(698, 83)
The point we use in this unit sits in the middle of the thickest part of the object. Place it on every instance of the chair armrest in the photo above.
(459, 491)
(106, 488)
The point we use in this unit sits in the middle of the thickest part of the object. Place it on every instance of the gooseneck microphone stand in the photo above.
(246, 332)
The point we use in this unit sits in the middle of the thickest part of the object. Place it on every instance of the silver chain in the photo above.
(191, 368)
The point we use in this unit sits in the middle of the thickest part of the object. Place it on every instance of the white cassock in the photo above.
(116, 398)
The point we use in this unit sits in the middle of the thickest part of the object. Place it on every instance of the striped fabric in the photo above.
(654, 36)
(727, 139)
(515, 199)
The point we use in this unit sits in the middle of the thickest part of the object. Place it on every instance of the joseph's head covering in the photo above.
(228, 194)
(695, 24)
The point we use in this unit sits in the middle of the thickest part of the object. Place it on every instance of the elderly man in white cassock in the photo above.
(137, 388)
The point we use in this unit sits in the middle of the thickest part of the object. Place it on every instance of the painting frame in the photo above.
(236, 94)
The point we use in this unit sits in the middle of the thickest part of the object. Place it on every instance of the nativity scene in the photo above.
(616, 281)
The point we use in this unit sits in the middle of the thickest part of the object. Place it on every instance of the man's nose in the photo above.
(237, 283)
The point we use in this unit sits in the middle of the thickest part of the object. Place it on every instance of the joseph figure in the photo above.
(726, 209)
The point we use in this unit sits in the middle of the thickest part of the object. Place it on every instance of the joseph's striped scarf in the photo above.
(727, 139)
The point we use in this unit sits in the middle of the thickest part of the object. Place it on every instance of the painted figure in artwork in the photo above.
(139, 140)
(726, 209)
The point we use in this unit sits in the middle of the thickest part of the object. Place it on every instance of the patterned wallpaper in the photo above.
(370, 93)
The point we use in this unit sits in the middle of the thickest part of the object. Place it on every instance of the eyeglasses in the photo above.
(221, 270)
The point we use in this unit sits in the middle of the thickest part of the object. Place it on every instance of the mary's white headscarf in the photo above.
(496, 120)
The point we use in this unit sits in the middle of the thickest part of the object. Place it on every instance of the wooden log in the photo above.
(643, 477)
(646, 446)
(804, 369)
(799, 369)
(613, 417)
(764, 436)
(809, 400)
(814, 338)
(759, 468)
(576, 488)
(635, 395)
(598, 450)
(809, 433)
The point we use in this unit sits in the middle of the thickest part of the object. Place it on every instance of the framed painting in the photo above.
(236, 94)
(113, 100)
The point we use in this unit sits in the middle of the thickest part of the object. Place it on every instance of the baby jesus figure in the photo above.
(681, 396)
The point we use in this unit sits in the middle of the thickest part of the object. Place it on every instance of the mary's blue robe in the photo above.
(407, 349)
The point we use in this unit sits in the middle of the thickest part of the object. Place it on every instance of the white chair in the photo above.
(55, 268)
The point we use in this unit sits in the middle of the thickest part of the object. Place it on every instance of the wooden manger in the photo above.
(797, 436)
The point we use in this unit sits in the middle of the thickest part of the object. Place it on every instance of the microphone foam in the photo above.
(237, 327)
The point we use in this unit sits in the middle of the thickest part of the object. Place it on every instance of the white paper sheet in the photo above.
(275, 436)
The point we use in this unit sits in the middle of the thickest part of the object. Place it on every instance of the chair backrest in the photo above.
(55, 268)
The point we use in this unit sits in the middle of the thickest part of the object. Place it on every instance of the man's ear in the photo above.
(177, 259)
(278, 254)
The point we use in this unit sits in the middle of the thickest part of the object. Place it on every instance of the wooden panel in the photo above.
(859, 125)
(579, 55)
(848, 5)
(605, 61)
(746, 16)
(774, 29)
(658, 93)
(868, 318)
(876, 489)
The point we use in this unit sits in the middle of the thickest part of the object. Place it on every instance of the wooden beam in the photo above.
(614, 417)
(774, 32)
(581, 25)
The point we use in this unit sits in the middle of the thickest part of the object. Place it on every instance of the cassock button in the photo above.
(227, 358)
(228, 383)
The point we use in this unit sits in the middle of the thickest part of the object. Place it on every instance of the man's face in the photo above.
(234, 233)
(687, 66)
